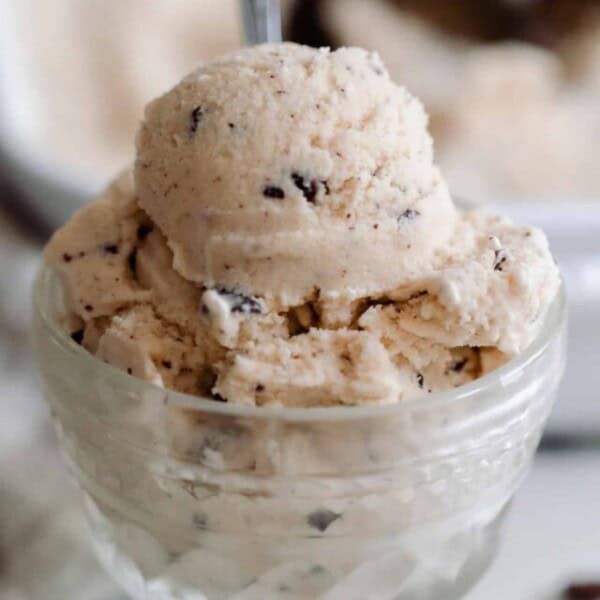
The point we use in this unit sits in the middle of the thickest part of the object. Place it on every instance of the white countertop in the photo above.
(552, 534)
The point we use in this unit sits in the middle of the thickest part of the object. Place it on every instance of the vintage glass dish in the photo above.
(193, 499)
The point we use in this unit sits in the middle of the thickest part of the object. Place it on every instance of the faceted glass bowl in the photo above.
(193, 499)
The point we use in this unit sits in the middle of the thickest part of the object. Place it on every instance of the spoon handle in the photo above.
(262, 21)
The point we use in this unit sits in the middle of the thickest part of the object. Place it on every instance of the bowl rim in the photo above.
(554, 319)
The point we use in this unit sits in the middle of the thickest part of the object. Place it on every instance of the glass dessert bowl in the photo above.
(190, 498)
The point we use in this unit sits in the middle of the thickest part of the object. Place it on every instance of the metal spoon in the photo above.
(262, 21)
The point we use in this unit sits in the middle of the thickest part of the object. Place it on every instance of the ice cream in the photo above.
(287, 239)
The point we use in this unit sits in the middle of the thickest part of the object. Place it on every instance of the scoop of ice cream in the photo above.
(279, 170)
(289, 241)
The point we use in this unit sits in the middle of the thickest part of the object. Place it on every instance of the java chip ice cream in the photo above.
(285, 238)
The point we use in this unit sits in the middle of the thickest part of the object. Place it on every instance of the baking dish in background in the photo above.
(75, 76)
(53, 190)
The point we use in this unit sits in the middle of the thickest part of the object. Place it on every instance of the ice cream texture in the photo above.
(285, 238)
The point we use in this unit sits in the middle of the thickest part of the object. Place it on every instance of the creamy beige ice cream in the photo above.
(288, 240)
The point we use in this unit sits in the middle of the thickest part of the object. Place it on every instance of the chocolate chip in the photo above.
(143, 231)
(459, 365)
(167, 364)
(241, 303)
(77, 336)
(111, 248)
(67, 257)
(583, 591)
(88, 307)
(308, 187)
(499, 259)
(326, 186)
(248, 306)
(231, 125)
(408, 215)
(272, 191)
(259, 388)
(129, 371)
(218, 397)
(199, 521)
(132, 260)
(418, 295)
(322, 519)
(206, 381)
(195, 118)
(420, 380)
(301, 318)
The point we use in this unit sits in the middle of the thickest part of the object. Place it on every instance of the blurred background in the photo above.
(513, 91)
